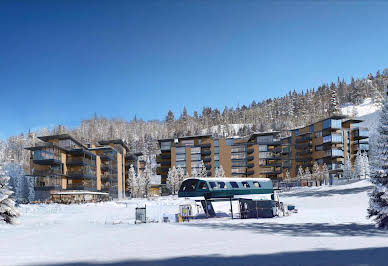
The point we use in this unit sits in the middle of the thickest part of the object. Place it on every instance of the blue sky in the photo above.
(62, 61)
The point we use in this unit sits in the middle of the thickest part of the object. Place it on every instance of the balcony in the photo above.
(206, 152)
(360, 133)
(206, 146)
(250, 158)
(46, 172)
(333, 153)
(250, 151)
(250, 172)
(304, 159)
(286, 150)
(80, 161)
(333, 138)
(165, 163)
(250, 165)
(81, 175)
(303, 146)
(207, 159)
(106, 157)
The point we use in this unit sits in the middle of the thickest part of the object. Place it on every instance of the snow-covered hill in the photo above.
(367, 111)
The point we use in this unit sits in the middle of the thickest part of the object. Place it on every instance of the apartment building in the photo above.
(60, 162)
(328, 141)
(254, 156)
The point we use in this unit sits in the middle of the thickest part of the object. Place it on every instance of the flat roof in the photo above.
(114, 141)
(267, 133)
(353, 120)
(61, 137)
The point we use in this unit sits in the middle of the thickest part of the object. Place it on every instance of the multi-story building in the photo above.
(254, 156)
(60, 162)
(329, 141)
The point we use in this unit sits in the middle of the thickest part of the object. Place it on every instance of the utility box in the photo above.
(140, 215)
(257, 208)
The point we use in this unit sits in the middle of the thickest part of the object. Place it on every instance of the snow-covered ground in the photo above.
(330, 228)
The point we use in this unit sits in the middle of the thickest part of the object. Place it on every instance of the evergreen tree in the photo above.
(146, 180)
(220, 172)
(366, 166)
(172, 180)
(300, 175)
(333, 100)
(316, 173)
(130, 186)
(347, 168)
(359, 171)
(180, 175)
(203, 172)
(325, 174)
(378, 202)
(8, 212)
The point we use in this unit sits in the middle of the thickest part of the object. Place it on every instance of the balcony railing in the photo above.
(47, 172)
(334, 153)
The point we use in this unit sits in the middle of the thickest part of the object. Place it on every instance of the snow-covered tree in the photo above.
(194, 173)
(359, 171)
(130, 186)
(288, 177)
(8, 211)
(137, 185)
(220, 172)
(300, 176)
(146, 180)
(365, 163)
(347, 168)
(333, 100)
(316, 173)
(203, 172)
(172, 180)
(378, 202)
(307, 175)
(325, 174)
(180, 175)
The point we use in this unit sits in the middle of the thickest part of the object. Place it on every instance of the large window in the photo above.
(238, 156)
(68, 144)
(332, 123)
(238, 148)
(180, 150)
(265, 139)
(195, 157)
(263, 147)
(264, 155)
(47, 154)
(195, 150)
(216, 143)
(165, 145)
(180, 157)
(229, 142)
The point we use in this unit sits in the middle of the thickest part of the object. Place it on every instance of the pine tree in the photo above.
(333, 100)
(378, 202)
(366, 166)
(203, 172)
(347, 168)
(325, 174)
(359, 171)
(172, 180)
(146, 181)
(300, 175)
(220, 172)
(316, 173)
(180, 175)
(307, 175)
(130, 184)
(8, 211)
(288, 177)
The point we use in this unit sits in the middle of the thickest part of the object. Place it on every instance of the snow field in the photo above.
(328, 219)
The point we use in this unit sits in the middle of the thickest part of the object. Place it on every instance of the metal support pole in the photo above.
(231, 207)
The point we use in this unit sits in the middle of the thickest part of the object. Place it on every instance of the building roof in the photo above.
(353, 120)
(186, 137)
(114, 141)
(61, 137)
(268, 133)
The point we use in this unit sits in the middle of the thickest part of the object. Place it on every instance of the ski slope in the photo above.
(330, 228)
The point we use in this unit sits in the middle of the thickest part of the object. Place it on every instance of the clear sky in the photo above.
(61, 61)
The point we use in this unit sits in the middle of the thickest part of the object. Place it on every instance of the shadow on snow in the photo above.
(369, 256)
(327, 193)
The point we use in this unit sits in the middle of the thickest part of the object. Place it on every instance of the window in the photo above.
(180, 157)
(238, 149)
(216, 157)
(216, 149)
(180, 150)
(216, 143)
(195, 157)
(165, 146)
(189, 185)
(195, 150)
(233, 184)
(238, 156)
(196, 164)
(181, 164)
(239, 163)
(221, 185)
(263, 147)
(318, 134)
(213, 184)
(331, 123)
(256, 184)
(296, 131)
(246, 185)
(229, 142)
(202, 186)
(216, 164)
(265, 139)
(311, 128)
(263, 155)
(319, 148)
